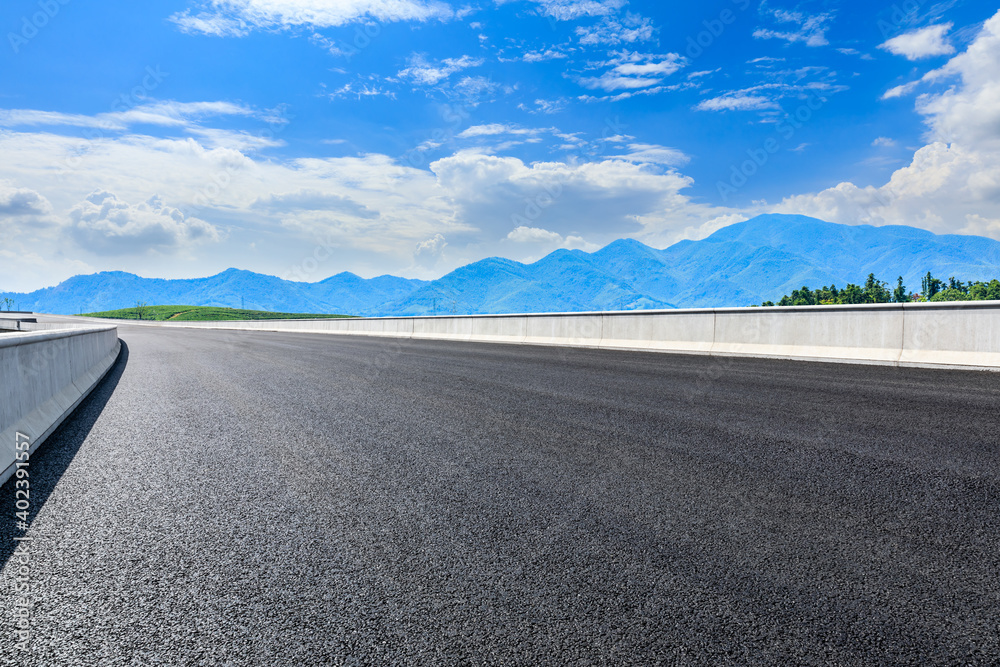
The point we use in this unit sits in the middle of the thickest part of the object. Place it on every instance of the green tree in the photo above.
(876, 291)
(899, 295)
(929, 286)
(852, 294)
(950, 294)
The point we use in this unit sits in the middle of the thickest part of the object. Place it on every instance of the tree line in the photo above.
(877, 291)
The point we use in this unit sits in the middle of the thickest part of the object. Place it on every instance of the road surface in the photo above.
(291, 499)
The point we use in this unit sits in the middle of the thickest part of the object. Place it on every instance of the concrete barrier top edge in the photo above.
(588, 313)
(951, 305)
(15, 338)
(942, 305)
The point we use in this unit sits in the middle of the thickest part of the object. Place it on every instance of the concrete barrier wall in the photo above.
(581, 330)
(690, 331)
(955, 334)
(44, 375)
(499, 328)
(871, 333)
(964, 333)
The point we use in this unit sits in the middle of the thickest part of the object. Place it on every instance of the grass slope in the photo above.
(204, 313)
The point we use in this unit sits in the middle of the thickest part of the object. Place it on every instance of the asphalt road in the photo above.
(290, 499)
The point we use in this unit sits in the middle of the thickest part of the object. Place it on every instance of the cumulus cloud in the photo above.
(235, 18)
(429, 251)
(104, 224)
(533, 235)
(953, 183)
(22, 203)
(594, 200)
(922, 43)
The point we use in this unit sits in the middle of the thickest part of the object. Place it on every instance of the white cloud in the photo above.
(21, 203)
(359, 90)
(613, 30)
(883, 142)
(707, 72)
(808, 29)
(429, 251)
(654, 154)
(569, 10)
(167, 114)
(598, 201)
(495, 129)
(953, 183)
(970, 112)
(545, 106)
(104, 224)
(542, 56)
(900, 90)
(233, 18)
(736, 102)
(633, 70)
(314, 200)
(533, 235)
(473, 90)
(423, 72)
(187, 117)
(922, 43)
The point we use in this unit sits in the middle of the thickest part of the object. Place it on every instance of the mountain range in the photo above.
(742, 264)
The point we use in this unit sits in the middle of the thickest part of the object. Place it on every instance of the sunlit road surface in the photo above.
(290, 499)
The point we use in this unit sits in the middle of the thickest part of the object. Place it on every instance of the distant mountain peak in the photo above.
(745, 263)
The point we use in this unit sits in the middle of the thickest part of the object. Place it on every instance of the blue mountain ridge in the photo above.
(742, 264)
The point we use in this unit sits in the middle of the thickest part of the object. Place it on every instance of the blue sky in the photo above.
(302, 138)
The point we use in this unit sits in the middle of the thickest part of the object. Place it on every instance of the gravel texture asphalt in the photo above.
(237, 498)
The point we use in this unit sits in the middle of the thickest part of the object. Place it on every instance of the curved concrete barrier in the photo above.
(43, 377)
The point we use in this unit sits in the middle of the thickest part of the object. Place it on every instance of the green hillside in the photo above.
(202, 314)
